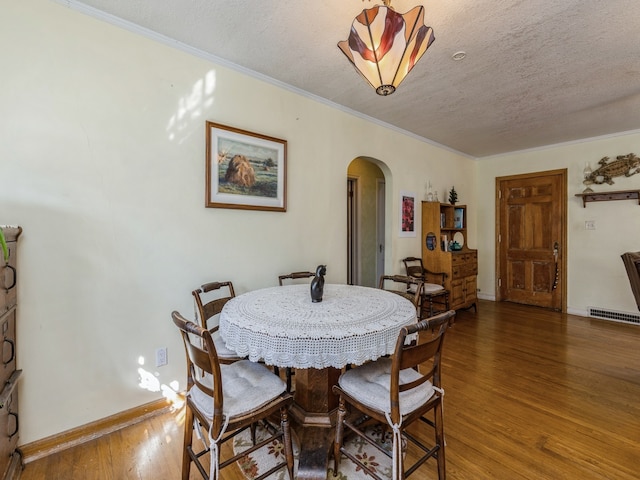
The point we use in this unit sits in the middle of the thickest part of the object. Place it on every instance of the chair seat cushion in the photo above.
(246, 386)
(428, 288)
(221, 348)
(431, 288)
(370, 385)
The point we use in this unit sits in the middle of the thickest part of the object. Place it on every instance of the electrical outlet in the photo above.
(161, 357)
(590, 225)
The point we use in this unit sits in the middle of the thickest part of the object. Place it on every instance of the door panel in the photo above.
(457, 292)
(352, 232)
(531, 222)
(380, 227)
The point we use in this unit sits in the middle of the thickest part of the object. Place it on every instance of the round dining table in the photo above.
(281, 326)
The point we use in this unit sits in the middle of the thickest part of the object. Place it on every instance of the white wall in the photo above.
(102, 163)
(596, 275)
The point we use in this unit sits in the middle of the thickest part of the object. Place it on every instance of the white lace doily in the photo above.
(281, 325)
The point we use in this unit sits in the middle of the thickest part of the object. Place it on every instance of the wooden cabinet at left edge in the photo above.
(10, 457)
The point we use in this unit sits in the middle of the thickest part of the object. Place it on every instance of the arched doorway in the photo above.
(366, 196)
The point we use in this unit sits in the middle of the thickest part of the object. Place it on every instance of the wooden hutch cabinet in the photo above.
(442, 225)
(10, 458)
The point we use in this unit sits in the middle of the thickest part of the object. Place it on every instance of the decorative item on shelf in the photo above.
(455, 246)
(586, 175)
(453, 196)
(431, 241)
(444, 243)
(626, 165)
(317, 284)
(384, 45)
(429, 195)
(458, 218)
(435, 197)
(458, 238)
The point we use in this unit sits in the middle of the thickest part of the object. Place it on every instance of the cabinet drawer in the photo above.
(458, 259)
(469, 269)
(8, 330)
(8, 279)
(462, 258)
(463, 271)
(8, 430)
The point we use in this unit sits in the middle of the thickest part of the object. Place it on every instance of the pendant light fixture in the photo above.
(384, 45)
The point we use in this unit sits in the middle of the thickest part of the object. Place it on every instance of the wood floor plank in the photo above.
(530, 395)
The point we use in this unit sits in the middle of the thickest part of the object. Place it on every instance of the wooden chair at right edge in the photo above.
(631, 262)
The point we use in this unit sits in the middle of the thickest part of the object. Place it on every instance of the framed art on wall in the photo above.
(245, 170)
(407, 214)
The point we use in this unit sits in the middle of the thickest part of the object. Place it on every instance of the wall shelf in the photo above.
(606, 196)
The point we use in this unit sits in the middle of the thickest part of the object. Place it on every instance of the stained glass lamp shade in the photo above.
(384, 45)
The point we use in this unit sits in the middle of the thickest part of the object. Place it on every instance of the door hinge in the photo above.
(499, 238)
(499, 282)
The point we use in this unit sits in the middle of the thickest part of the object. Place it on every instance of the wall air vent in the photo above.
(615, 316)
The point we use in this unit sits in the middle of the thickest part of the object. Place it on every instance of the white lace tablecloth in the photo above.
(281, 325)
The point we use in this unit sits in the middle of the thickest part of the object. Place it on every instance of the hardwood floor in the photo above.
(530, 394)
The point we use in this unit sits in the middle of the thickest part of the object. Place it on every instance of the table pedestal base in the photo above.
(315, 444)
(313, 413)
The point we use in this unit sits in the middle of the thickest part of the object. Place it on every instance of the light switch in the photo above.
(590, 225)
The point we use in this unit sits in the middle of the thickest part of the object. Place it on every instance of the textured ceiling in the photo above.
(537, 72)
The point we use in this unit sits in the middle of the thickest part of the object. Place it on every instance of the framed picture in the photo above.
(458, 218)
(407, 214)
(245, 170)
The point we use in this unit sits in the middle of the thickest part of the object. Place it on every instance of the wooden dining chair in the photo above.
(287, 278)
(411, 288)
(435, 297)
(225, 399)
(631, 262)
(210, 298)
(397, 392)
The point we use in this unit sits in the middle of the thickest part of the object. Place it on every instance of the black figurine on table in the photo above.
(317, 284)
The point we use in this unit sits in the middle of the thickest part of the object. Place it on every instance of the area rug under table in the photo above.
(267, 456)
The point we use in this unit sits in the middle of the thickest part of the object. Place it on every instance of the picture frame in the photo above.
(407, 214)
(245, 170)
(458, 218)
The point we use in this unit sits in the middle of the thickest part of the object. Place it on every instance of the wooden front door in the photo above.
(531, 212)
